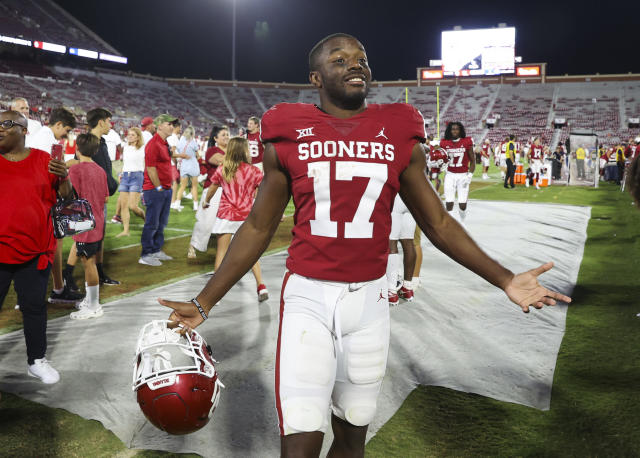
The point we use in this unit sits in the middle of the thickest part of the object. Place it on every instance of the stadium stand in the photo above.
(44, 20)
(524, 110)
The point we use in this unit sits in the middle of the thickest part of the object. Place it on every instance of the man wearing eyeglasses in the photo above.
(27, 245)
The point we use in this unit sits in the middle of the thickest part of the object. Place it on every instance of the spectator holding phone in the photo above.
(27, 245)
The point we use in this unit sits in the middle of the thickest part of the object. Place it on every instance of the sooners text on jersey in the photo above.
(256, 149)
(344, 177)
(459, 152)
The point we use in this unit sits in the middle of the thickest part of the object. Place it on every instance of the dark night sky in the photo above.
(193, 37)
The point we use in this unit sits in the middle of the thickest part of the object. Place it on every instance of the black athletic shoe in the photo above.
(65, 297)
(70, 283)
(108, 281)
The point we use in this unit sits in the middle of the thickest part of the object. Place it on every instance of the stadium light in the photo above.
(233, 43)
(15, 41)
(112, 58)
(83, 53)
(50, 47)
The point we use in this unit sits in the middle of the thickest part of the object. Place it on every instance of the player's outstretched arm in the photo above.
(247, 245)
(450, 238)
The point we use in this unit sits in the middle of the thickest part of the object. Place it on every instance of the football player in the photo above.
(343, 162)
(403, 228)
(535, 161)
(462, 164)
(486, 157)
(436, 163)
(256, 148)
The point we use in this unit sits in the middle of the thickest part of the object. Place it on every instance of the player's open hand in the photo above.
(524, 290)
(184, 313)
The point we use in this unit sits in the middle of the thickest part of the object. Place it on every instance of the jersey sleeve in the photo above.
(271, 126)
(414, 123)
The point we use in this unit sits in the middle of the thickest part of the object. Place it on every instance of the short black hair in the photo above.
(447, 133)
(64, 116)
(317, 49)
(96, 115)
(88, 144)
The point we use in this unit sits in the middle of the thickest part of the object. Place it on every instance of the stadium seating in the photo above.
(43, 20)
(524, 110)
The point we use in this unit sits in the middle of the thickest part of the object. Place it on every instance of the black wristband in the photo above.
(199, 307)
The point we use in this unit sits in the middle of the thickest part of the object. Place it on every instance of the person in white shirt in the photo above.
(61, 122)
(131, 179)
(173, 141)
(113, 140)
(21, 105)
(148, 128)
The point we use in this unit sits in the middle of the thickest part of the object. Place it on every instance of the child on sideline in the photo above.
(239, 181)
(90, 182)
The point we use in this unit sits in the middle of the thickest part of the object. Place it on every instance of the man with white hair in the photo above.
(21, 105)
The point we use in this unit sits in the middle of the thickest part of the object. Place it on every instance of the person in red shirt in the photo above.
(156, 188)
(90, 182)
(206, 217)
(462, 164)
(256, 148)
(27, 244)
(238, 180)
(343, 162)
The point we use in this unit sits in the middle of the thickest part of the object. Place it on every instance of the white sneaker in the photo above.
(85, 313)
(162, 256)
(149, 260)
(188, 196)
(195, 206)
(41, 368)
(176, 206)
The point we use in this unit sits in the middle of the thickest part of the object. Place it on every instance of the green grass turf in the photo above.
(595, 399)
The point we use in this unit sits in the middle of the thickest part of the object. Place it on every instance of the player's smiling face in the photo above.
(344, 72)
(455, 131)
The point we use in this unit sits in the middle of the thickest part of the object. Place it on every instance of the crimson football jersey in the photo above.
(256, 149)
(485, 149)
(437, 159)
(536, 153)
(459, 152)
(344, 178)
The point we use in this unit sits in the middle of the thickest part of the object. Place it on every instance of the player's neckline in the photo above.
(341, 119)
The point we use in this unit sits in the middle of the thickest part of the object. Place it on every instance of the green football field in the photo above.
(595, 399)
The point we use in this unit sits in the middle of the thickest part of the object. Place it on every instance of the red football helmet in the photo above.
(174, 377)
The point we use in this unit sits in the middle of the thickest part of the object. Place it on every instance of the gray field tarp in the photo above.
(460, 333)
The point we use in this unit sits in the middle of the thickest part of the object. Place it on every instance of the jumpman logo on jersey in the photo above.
(381, 296)
(308, 132)
(381, 134)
